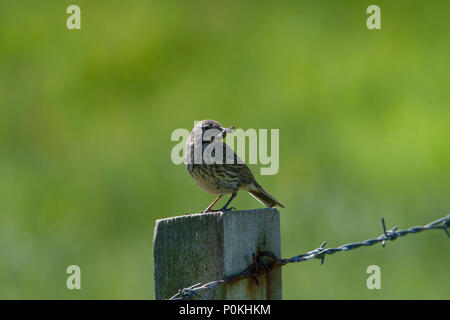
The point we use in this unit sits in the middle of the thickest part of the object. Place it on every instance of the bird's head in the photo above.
(211, 130)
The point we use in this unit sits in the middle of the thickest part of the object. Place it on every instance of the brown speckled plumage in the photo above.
(223, 178)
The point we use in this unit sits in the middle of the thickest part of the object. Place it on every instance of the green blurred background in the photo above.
(86, 118)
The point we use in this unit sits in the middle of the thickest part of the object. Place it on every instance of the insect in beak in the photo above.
(225, 131)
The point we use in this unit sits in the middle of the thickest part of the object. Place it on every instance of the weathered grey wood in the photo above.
(209, 246)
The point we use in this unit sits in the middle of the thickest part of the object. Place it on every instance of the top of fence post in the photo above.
(210, 246)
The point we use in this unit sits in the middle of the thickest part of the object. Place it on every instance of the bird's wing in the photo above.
(237, 168)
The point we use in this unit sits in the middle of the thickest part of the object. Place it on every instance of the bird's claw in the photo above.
(220, 210)
(211, 210)
(228, 209)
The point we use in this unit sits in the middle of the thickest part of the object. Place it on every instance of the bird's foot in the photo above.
(211, 210)
(228, 209)
(220, 210)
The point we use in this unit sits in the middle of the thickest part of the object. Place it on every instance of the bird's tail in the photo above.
(264, 197)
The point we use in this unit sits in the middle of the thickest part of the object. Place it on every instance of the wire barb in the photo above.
(389, 235)
(259, 267)
(446, 224)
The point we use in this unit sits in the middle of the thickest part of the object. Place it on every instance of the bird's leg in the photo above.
(225, 207)
(212, 204)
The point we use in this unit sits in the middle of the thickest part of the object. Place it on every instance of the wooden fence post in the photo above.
(209, 246)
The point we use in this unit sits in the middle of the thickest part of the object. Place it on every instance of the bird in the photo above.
(224, 173)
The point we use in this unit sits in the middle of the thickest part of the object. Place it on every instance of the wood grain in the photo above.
(209, 246)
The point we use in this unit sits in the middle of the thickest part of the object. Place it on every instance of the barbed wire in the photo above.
(259, 266)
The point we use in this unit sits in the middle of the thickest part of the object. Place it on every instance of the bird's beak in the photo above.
(225, 131)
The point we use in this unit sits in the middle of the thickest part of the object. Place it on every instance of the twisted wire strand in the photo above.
(259, 267)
